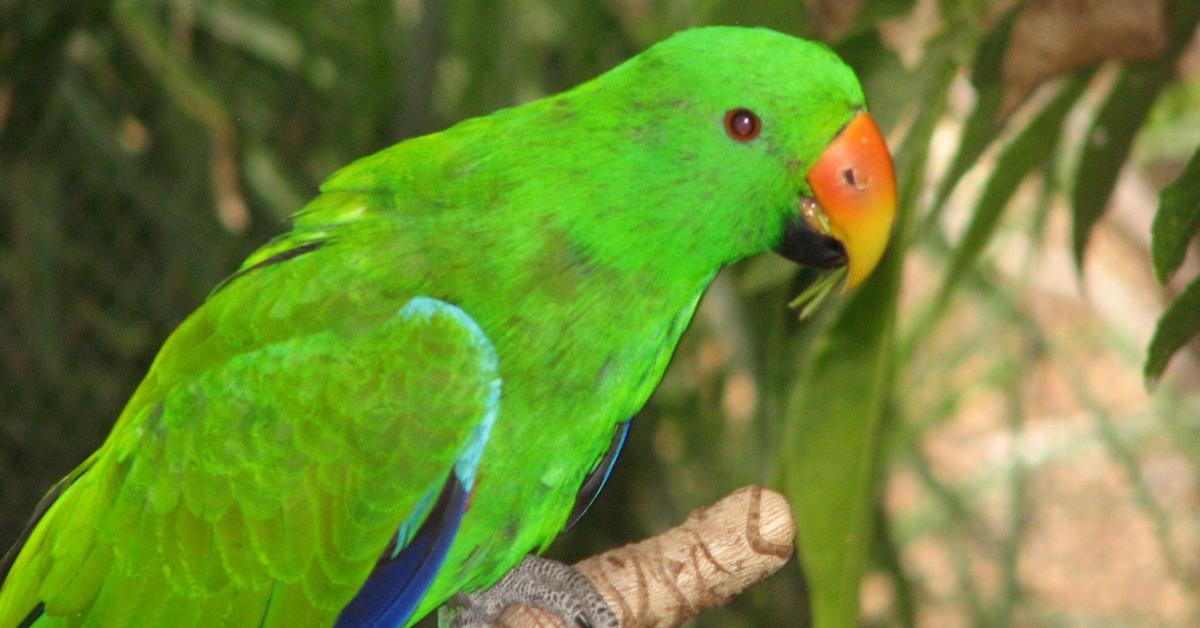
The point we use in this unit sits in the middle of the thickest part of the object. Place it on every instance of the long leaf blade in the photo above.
(833, 449)
(1108, 142)
(1179, 324)
(1177, 220)
(1118, 121)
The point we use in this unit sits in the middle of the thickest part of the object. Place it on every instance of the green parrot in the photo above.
(431, 374)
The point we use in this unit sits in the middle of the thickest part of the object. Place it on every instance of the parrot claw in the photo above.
(539, 582)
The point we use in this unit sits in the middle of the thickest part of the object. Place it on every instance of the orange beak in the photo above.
(855, 188)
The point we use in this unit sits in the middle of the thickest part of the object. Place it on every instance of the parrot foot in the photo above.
(541, 583)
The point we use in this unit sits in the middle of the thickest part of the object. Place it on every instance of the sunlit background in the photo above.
(1000, 460)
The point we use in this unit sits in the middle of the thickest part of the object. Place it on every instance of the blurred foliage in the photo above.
(1176, 225)
(147, 147)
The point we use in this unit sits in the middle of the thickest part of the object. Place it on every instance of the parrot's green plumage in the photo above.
(474, 310)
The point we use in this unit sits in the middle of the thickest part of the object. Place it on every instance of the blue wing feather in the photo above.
(595, 481)
(392, 592)
(410, 563)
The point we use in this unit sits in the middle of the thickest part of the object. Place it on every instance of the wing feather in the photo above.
(266, 485)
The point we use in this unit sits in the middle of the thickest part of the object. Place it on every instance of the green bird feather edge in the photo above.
(485, 304)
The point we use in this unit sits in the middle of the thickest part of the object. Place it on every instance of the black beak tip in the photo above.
(805, 246)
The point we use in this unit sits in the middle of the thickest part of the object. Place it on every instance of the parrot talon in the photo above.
(539, 582)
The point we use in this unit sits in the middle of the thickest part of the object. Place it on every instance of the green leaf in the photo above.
(1118, 121)
(1179, 324)
(1107, 146)
(832, 444)
(1177, 220)
(832, 448)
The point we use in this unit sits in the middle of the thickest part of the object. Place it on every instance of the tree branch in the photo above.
(716, 553)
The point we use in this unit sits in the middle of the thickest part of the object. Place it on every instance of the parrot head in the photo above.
(761, 141)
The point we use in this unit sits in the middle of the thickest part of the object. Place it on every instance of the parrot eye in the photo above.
(742, 124)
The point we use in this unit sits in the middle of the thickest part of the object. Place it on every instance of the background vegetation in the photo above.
(969, 430)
